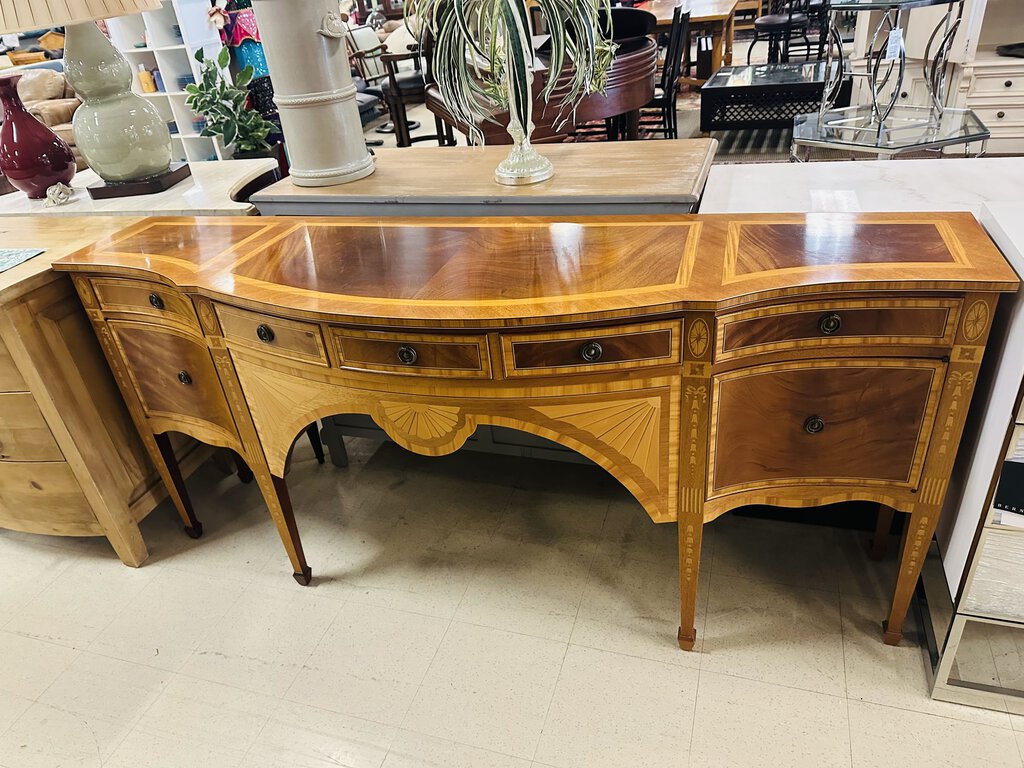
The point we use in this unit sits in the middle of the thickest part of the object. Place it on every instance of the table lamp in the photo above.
(121, 135)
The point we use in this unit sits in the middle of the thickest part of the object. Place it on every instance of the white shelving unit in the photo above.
(167, 40)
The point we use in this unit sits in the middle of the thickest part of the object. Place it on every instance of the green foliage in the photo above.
(483, 53)
(223, 105)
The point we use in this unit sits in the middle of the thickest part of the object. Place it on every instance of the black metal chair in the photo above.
(409, 87)
(667, 92)
(788, 20)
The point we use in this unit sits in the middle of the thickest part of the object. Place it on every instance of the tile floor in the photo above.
(473, 611)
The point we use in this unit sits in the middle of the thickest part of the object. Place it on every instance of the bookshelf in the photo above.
(167, 40)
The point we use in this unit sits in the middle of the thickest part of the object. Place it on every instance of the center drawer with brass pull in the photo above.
(923, 322)
(422, 354)
(288, 338)
(590, 350)
(859, 421)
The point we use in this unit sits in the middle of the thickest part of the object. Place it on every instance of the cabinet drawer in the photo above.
(1000, 118)
(422, 354)
(1004, 85)
(173, 375)
(824, 422)
(44, 497)
(142, 297)
(996, 587)
(926, 322)
(24, 434)
(10, 377)
(288, 338)
(598, 349)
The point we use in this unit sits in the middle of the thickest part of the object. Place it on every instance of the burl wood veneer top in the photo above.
(486, 272)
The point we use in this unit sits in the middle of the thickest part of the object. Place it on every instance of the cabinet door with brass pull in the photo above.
(173, 375)
(817, 422)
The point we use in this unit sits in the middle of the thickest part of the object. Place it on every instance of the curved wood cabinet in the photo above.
(706, 362)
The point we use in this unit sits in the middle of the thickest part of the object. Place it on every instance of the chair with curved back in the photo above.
(788, 20)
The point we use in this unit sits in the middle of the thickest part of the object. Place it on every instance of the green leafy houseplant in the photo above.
(483, 59)
(223, 104)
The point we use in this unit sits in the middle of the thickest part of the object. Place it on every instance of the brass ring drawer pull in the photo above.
(184, 378)
(591, 352)
(264, 333)
(407, 355)
(814, 425)
(156, 301)
(830, 323)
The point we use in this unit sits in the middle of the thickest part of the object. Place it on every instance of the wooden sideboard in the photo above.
(706, 362)
(71, 462)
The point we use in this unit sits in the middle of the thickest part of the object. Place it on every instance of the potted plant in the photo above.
(483, 58)
(224, 105)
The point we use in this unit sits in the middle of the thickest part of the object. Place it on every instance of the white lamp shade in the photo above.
(21, 15)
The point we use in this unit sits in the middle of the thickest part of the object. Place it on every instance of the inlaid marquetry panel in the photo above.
(193, 241)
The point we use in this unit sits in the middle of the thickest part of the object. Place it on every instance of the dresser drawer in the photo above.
(863, 422)
(995, 587)
(44, 497)
(173, 375)
(288, 338)
(1000, 118)
(415, 354)
(926, 322)
(1005, 85)
(24, 434)
(10, 377)
(590, 350)
(142, 297)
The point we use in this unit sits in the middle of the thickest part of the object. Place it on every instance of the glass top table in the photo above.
(881, 5)
(908, 129)
(766, 75)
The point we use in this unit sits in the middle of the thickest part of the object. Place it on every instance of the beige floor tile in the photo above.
(29, 666)
(487, 688)
(208, 715)
(49, 737)
(12, 707)
(414, 750)
(858, 575)
(143, 749)
(618, 711)
(527, 587)
(370, 663)
(775, 633)
(411, 567)
(629, 533)
(298, 736)
(894, 676)
(263, 640)
(73, 609)
(771, 551)
(741, 722)
(26, 568)
(884, 737)
(631, 606)
(114, 690)
(167, 620)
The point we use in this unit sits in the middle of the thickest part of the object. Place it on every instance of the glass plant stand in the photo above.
(882, 127)
(906, 129)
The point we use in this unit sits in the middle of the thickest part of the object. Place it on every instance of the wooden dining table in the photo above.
(710, 17)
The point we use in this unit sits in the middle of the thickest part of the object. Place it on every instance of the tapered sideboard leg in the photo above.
(690, 530)
(878, 544)
(171, 474)
(275, 492)
(916, 540)
(313, 433)
(244, 473)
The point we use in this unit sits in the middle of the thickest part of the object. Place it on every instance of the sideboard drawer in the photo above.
(590, 350)
(24, 434)
(173, 374)
(145, 298)
(848, 421)
(912, 322)
(422, 354)
(289, 338)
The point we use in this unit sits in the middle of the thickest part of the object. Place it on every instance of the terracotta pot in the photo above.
(32, 157)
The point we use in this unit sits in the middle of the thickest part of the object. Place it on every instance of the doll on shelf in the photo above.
(237, 24)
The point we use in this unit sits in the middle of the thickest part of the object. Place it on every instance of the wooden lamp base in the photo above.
(102, 190)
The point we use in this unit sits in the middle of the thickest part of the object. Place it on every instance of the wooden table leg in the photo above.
(878, 543)
(730, 33)
(313, 433)
(632, 120)
(717, 46)
(275, 493)
(916, 540)
(171, 475)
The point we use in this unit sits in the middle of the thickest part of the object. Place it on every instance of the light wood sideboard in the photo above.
(71, 461)
(706, 362)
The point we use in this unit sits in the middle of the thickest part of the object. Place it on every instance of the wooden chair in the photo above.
(788, 20)
(667, 93)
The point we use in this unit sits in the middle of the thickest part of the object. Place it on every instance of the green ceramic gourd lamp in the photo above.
(122, 136)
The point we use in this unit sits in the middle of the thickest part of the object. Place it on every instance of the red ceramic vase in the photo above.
(32, 157)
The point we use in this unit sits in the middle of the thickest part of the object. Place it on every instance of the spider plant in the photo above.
(483, 60)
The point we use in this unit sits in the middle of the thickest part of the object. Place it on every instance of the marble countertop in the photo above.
(209, 191)
(870, 185)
